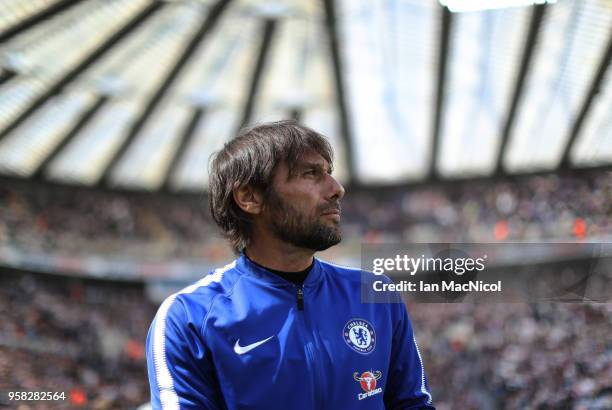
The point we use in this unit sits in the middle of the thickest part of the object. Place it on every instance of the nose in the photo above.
(337, 190)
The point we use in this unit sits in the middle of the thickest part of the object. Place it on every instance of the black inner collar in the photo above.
(297, 278)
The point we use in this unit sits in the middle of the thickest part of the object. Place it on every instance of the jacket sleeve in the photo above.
(181, 375)
(407, 386)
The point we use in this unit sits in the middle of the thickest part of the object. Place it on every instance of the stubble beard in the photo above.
(292, 226)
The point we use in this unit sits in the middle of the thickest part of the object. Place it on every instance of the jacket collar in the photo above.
(245, 265)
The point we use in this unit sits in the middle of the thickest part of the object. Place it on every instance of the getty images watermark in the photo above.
(497, 272)
(410, 265)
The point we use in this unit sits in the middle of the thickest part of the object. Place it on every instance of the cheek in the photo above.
(302, 200)
(307, 210)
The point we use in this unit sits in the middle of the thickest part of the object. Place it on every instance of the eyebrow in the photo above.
(315, 165)
(300, 166)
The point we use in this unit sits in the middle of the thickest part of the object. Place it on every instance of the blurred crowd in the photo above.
(531, 207)
(82, 338)
(84, 221)
(157, 227)
(517, 356)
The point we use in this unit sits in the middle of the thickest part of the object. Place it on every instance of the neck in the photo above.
(273, 253)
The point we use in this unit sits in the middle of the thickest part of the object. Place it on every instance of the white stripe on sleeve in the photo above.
(165, 383)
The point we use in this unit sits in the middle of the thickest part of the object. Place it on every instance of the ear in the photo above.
(248, 199)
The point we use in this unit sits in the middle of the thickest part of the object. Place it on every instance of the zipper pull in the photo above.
(300, 298)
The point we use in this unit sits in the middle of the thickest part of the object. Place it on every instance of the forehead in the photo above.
(309, 158)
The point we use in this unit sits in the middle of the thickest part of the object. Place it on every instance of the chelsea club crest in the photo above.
(359, 335)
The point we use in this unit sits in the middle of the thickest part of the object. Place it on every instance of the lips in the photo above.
(333, 211)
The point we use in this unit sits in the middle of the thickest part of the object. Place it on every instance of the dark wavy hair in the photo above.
(251, 159)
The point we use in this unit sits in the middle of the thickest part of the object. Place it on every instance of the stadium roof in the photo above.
(137, 94)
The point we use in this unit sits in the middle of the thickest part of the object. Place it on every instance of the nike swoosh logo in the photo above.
(244, 349)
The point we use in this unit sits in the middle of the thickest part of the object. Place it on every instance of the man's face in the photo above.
(304, 208)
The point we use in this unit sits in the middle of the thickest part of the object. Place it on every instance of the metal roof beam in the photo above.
(296, 114)
(36, 18)
(185, 140)
(444, 39)
(593, 90)
(269, 27)
(531, 40)
(70, 135)
(56, 88)
(346, 133)
(6, 75)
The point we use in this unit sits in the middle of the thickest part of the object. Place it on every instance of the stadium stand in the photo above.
(84, 338)
(550, 207)
(517, 356)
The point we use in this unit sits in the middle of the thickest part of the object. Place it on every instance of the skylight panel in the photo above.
(574, 36)
(215, 128)
(83, 161)
(390, 56)
(594, 144)
(220, 91)
(47, 51)
(14, 11)
(155, 45)
(484, 57)
(23, 150)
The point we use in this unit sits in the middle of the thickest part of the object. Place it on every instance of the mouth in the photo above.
(335, 213)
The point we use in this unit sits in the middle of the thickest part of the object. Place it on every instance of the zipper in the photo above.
(300, 298)
(311, 348)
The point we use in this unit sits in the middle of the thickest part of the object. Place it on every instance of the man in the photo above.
(278, 328)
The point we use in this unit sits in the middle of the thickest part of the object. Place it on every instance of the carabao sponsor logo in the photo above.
(368, 381)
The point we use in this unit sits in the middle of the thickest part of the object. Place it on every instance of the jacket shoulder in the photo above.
(191, 304)
(348, 272)
(365, 280)
(342, 272)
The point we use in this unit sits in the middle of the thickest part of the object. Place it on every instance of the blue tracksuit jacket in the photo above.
(245, 338)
